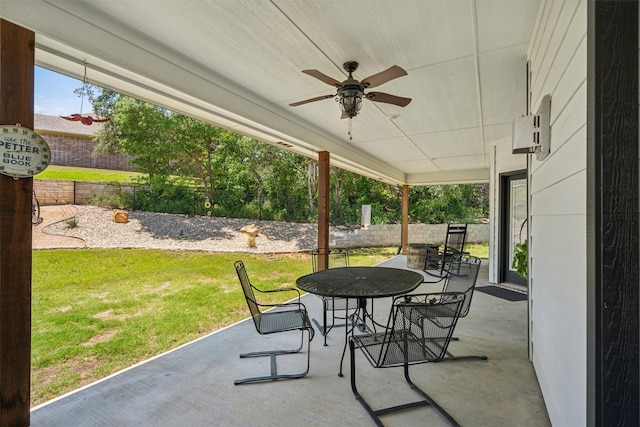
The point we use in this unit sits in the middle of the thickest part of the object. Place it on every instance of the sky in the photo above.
(54, 94)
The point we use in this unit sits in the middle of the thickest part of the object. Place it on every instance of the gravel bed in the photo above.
(182, 232)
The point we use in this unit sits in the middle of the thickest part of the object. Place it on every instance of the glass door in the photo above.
(514, 224)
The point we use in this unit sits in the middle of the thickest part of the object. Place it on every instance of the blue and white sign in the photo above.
(23, 153)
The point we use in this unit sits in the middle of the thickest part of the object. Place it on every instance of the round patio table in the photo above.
(360, 283)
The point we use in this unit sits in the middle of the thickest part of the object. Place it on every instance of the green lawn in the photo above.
(97, 311)
(480, 250)
(86, 174)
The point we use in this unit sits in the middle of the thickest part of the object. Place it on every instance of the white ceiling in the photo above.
(238, 64)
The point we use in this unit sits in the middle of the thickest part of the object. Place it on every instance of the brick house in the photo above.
(72, 144)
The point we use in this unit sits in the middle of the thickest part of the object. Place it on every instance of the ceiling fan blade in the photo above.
(323, 77)
(389, 99)
(306, 101)
(384, 76)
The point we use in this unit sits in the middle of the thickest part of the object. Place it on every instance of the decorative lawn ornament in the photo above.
(79, 117)
(85, 120)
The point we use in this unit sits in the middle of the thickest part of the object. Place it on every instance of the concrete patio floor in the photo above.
(193, 385)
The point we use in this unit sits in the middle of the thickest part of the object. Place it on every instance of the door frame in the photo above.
(504, 263)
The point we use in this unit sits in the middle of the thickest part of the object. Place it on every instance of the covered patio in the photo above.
(473, 67)
(193, 385)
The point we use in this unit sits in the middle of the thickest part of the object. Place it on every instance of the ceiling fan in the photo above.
(351, 91)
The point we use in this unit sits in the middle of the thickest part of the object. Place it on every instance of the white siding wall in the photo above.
(557, 185)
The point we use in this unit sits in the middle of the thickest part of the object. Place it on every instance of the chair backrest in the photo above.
(463, 278)
(456, 238)
(337, 258)
(249, 295)
(421, 329)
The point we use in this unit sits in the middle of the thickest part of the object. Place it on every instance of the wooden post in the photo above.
(613, 297)
(16, 106)
(405, 218)
(323, 210)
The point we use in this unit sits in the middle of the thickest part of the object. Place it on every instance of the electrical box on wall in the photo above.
(532, 133)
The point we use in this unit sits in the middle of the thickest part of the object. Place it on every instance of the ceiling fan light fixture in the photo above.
(351, 91)
(350, 99)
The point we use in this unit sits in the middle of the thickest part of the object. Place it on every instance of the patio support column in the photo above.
(323, 210)
(613, 396)
(405, 218)
(16, 106)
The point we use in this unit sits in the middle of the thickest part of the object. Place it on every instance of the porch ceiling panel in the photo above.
(445, 97)
(238, 64)
(412, 34)
(461, 163)
(503, 84)
(495, 134)
(416, 167)
(458, 142)
(503, 23)
(394, 150)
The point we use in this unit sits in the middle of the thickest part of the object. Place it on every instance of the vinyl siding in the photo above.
(557, 225)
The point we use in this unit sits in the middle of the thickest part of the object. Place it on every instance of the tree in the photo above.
(288, 187)
(444, 203)
(164, 144)
(243, 177)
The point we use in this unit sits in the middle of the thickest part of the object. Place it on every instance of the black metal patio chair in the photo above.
(452, 250)
(279, 318)
(462, 278)
(408, 342)
(338, 257)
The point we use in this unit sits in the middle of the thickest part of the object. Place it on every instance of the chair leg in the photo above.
(376, 413)
(272, 356)
(359, 398)
(437, 274)
(440, 273)
(451, 357)
(428, 398)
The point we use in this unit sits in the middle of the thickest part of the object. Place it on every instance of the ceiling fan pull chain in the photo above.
(350, 126)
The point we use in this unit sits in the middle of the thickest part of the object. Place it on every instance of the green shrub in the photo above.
(170, 198)
(119, 197)
(520, 259)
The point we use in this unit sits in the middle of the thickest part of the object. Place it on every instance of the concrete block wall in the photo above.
(57, 192)
(389, 235)
(54, 192)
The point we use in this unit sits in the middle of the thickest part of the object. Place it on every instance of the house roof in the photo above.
(238, 64)
(58, 125)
